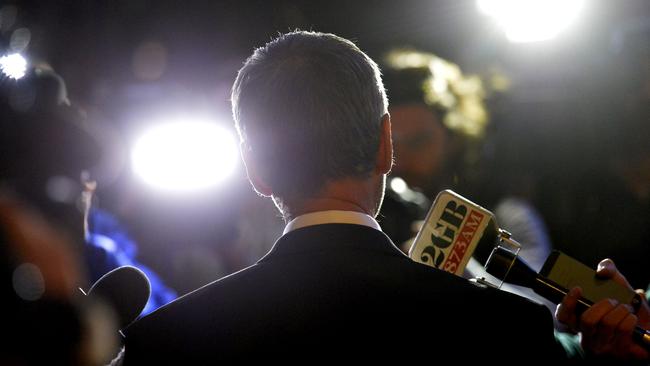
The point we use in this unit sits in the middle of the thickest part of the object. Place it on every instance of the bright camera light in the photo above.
(184, 156)
(14, 65)
(532, 20)
(398, 185)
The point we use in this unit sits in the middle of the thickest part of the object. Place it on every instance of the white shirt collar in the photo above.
(331, 217)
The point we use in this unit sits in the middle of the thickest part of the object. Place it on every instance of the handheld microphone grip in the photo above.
(508, 267)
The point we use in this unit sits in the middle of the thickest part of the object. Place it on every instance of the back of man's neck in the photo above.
(346, 194)
(326, 204)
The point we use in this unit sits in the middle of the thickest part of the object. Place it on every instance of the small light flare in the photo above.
(13, 66)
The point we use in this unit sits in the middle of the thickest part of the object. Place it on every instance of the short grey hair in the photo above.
(308, 107)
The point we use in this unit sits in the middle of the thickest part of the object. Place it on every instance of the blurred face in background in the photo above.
(419, 141)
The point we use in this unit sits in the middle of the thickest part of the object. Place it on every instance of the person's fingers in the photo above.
(624, 342)
(612, 324)
(607, 270)
(590, 319)
(638, 353)
(612, 333)
(565, 312)
(626, 327)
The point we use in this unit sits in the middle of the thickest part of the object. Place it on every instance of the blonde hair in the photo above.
(459, 98)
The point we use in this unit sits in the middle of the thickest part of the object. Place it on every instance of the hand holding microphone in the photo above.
(619, 319)
(456, 228)
(602, 307)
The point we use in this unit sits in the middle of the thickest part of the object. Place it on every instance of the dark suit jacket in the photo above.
(342, 292)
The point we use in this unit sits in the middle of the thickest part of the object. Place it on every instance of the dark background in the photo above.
(559, 122)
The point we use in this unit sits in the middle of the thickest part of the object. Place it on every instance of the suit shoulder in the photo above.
(489, 297)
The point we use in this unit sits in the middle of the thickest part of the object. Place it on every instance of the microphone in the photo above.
(126, 289)
(454, 230)
(560, 273)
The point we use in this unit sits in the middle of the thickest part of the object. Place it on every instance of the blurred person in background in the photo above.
(51, 152)
(439, 120)
(47, 319)
(49, 249)
(42, 234)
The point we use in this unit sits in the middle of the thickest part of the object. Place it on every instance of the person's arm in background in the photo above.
(49, 320)
(607, 327)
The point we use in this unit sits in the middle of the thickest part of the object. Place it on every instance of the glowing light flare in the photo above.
(532, 20)
(398, 185)
(13, 66)
(184, 156)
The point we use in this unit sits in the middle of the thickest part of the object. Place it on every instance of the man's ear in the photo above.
(250, 164)
(385, 152)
